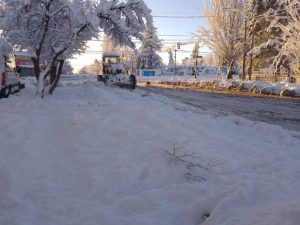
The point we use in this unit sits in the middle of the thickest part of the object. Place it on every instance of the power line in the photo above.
(173, 35)
(160, 35)
(181, 17)
(177, 12)
(179, 40)
(128, 53)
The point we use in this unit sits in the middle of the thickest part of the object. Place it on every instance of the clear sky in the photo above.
(164, 12)
(180, 8)
(170, 29)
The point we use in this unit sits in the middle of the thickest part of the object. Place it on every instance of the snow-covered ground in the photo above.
(186, 78)
(218, 82)
(91, 155)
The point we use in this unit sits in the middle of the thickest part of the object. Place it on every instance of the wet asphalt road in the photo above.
(282, 112)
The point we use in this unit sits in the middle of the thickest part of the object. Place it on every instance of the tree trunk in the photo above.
(41, 84)
(196, 68)
(36, 66)
(229, 71)
(58, 71)
(53, 74)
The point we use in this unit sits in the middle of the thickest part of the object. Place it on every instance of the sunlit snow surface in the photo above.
(91, 155)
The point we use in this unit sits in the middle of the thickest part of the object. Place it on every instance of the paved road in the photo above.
(283, 112)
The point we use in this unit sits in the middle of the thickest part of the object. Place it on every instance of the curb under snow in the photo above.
(265, 88)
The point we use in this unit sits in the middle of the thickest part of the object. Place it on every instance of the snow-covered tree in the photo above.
(275, 33)
(108, 44)
(54, 30)
(5, 47)
(195, 56)
(223, 36)
(171, 64)
(262, 39)
(289, 25)
(48, 29)
(147, 57)
(93, 69)
(67, 68)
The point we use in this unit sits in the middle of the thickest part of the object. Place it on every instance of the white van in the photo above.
(9, 78)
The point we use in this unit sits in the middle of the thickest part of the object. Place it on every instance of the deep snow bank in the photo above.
(258, 87)
(92, 155)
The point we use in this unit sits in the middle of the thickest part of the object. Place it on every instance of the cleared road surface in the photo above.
(283, 112)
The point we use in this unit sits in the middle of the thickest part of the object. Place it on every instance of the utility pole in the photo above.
(132, 64)
(245, 49)
(178, 44)
(195, 56)
(251, 57)
(196, 67)
(175, 72)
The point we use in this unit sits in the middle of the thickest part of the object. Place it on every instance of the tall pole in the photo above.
(196, 68)
(245, 50)
(175, 63)
(251, 57)
(196, 56)
(132, 64)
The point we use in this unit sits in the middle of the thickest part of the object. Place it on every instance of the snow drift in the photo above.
(93, 155)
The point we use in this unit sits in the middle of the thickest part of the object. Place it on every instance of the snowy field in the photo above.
(91, 155)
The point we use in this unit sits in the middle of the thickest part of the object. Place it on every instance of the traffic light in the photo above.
(178, 45)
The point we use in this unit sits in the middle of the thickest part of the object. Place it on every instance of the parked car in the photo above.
(9, 78)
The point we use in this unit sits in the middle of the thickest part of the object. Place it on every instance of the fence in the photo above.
(270, 75)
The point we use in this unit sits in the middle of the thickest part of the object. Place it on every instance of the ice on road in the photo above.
(279, 111)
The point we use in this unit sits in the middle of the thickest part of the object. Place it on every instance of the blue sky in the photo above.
(177, 26)
(176, 8)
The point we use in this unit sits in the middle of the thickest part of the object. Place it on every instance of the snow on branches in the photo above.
(54, 30)
(147, 57)
(275, 27)
(289, 24)
(223, 36)
(122, 20)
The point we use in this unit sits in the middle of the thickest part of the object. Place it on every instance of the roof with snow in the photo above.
(111, 54)
(22, 53)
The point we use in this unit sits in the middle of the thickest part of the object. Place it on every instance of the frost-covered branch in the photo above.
(191, 161)
(124, 20)
(289, 26)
